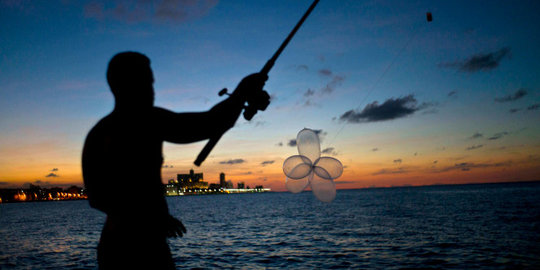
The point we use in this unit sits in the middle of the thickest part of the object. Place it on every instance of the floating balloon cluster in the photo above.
(309, 168)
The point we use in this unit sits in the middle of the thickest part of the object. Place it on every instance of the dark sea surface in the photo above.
(488, 226)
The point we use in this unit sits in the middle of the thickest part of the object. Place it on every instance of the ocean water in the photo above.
(488, 226)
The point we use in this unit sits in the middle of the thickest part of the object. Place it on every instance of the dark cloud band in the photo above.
(392, 108)
(480, 62)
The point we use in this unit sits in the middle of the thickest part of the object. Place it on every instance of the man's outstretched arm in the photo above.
(192, 127)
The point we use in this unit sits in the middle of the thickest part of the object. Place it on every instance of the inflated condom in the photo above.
(310, 169)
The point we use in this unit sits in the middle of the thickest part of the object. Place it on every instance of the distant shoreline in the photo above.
(271, 191)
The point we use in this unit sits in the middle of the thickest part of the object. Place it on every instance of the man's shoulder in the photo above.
(101, 127)
(102, 123)
(115, 123)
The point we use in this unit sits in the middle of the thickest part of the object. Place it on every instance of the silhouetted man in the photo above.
(122, 159)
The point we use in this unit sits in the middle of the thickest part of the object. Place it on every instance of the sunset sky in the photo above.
(398, 100)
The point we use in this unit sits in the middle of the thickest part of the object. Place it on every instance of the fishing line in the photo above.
(385, 71)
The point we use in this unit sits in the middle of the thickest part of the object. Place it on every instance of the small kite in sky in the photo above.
(429, 17)
(309, 168)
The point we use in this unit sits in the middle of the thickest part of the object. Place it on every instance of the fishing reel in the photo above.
(257, 100)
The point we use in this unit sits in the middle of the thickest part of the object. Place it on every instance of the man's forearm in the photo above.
(193, 127)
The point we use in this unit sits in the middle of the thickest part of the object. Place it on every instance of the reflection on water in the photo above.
(469, 226)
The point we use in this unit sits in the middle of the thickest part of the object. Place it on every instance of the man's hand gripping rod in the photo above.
(252, 107)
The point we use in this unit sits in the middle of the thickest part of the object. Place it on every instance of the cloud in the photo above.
(476, 135)
(167, 166)
(452, 94)
(42, 183)
(246, 173)
(54, 169)
(267, 162)
(390, 171)
(474, 147)
(310, 102)
(344, 182)
(467, 166)
(497, 136)
(181, 10)
(325, 72)
(309, 93)
(52, 175)
(279, 144)
(94, 10)
(514, 110)
(292, 143)
(149, 10)
(331, 86)
(517, 95)
(330, 151)
(4, 183)
(302, 67)
(435, 161)
(232, 161)
(320, 132)
(18, 4)
(309, 98)
(375, 149)
(392, 108)
(533, 107)
(398, 160)
(480, 62)
(256, 123)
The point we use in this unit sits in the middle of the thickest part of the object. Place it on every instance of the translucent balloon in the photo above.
(309, 168)
(308, 144)
(300, 171)
(297, 167)
(324, 190)
(332, 166)
(298, 185)
(322, 173)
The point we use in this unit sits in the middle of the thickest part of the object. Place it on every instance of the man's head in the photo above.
(131, 80)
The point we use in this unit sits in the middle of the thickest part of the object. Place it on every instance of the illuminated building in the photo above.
(36, 193)
(172, 188)
(192, 184)
(191, 181)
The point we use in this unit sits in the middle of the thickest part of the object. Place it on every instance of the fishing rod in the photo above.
(257, 101)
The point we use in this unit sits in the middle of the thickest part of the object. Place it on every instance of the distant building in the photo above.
(172, 188)
(74, 190)
(241, 185)
(192, 177)
(222, 182)
(190, 181)
(229, 184)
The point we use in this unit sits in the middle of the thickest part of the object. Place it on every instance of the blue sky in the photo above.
(348, 54)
